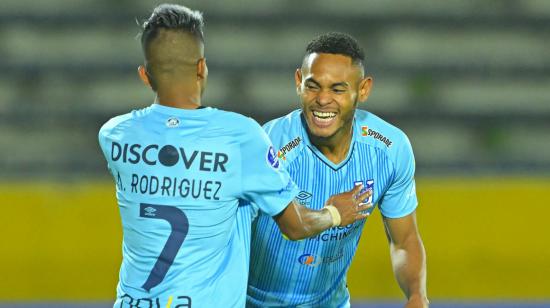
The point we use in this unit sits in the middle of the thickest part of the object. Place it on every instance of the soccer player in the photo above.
(181, 172)
(328, 147)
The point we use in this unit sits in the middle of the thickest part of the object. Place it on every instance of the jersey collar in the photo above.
(318, 153)
(179, 111)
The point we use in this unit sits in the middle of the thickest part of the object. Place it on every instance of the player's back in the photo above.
(178, 181)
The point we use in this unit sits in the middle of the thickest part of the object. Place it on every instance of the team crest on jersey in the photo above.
(304, 198)
(288, 147)
(367, 132)
(172, 122)
(272, 158)
(368, 185)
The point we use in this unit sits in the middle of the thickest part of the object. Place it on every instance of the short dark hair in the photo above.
(337, 43)
(173, 17)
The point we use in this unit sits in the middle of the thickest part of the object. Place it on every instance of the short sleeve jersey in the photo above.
(181, 177)
(312, 272)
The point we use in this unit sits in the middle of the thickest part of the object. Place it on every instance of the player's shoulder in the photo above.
(114, 122)
(121, 122)
(286, 123)
(236, 120)
(287, 135)
(375, 131)
(236, 123)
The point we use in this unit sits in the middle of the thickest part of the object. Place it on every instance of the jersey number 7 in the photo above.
(180, 226)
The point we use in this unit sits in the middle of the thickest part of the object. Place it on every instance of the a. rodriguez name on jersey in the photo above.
(170, 156)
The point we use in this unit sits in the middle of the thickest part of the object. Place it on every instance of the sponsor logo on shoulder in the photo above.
(272, 158)
(367, 132)
(288, 147)
(172, 122)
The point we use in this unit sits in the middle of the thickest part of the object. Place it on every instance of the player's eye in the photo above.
(311, 87)
(338, 90)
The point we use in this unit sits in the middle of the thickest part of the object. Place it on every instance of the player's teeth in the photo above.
(324, 114)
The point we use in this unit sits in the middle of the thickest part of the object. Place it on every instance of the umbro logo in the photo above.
(149, 211)
(304, 197)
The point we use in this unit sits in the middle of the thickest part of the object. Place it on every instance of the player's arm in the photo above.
(408, 258)
(299, 222)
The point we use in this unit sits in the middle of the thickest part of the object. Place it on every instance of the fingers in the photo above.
(363, 210)
(365, 195)
(361, 216)
(365, 206)
(358, 212)
(356, 189)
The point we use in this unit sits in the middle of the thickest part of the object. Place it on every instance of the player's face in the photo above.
(329, 87)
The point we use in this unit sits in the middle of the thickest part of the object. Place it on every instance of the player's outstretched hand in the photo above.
(350, 205)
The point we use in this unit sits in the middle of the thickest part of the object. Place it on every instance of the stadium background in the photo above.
(469, 81)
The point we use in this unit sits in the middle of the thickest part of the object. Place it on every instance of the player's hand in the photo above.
(350, 205)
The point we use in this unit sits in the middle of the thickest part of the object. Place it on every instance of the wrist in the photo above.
(334, 214)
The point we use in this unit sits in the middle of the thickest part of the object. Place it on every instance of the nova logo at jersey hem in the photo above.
(128, 301)
(272, 158)
(367, 132)
(288, 147)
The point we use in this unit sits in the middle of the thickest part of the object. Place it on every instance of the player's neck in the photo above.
(334, 148)
(178, 99)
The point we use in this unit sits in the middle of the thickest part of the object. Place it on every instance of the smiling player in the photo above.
(184, 171)
(328, 147)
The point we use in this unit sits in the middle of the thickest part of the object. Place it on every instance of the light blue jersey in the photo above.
(185, 182)
(312, 272)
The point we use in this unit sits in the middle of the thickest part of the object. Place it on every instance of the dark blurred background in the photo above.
(467, 80)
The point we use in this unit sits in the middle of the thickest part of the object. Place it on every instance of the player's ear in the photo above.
(202, 69)
(143, 75)
(364, 88)
(298, 80)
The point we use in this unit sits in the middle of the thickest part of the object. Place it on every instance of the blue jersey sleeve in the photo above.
(103, 146)
(265, 183)
(400, 198)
